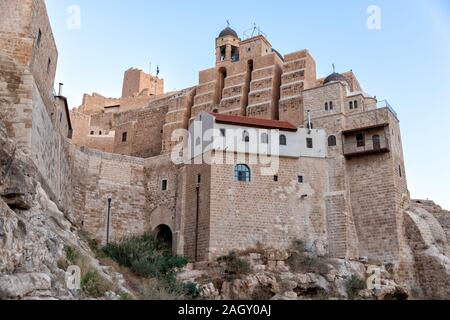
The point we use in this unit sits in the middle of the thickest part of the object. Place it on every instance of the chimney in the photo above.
(60, 89)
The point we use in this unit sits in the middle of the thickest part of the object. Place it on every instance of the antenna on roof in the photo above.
(334, 68)
(255, 31)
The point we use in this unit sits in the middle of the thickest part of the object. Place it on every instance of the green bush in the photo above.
(235, 266)
(353, 286)
(145, 256)
(94, 285)
(72, 255)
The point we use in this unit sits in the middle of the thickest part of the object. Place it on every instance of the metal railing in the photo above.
(366, 146)
(385, 104)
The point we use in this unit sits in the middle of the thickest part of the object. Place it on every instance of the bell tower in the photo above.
(227, 46)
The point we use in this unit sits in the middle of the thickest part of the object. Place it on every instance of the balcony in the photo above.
(357, 147)
(385, 104)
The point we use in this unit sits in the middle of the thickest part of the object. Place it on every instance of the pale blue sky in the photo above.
(407, 62)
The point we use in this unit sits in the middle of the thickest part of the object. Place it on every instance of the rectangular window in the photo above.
(400, 171)
(360, 142)
(124, 137)
(356, 104)
(300, 179)
(164, 185)
(199, 178)
(351, 104)
(275, 178)
(309, 143)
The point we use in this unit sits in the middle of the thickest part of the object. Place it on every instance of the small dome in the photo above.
(334, 77)
(228, 32)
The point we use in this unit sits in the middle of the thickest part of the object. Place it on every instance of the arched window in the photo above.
(265, 138)
(332, 141)
(356, 104)
(326, 106)
(242, 173)
(331, 105)
(351, 104)
(283, 140)
(245, 136)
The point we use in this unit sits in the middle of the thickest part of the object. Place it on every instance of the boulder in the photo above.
(20, 285)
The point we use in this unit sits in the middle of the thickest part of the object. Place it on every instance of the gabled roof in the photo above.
(254, 122)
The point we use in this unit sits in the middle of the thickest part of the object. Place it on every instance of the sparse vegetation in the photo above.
(148, 258)
(72, 255)
(234, 265)
(94, 285)
(354, 285)
(302, 262)
(262, 293)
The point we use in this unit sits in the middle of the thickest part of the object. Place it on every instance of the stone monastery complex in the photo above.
(339, 183)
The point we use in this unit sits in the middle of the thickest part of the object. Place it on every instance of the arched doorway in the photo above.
(164, 234)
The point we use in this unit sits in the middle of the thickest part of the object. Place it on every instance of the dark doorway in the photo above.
(164, 234)
(376, 142)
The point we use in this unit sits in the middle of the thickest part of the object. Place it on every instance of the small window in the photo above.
(332, 141)
(124, 137)
(400, 171)
(223, 132)
(92, 133)
(275, 178)
(242, 173)
(360, 141)
(49, 63)
(249, 49)
(351, 104)
(300, 179)
(246, 136)
(164, 185)
(100, 133)
(60, 117)
(331, 105)
(309, 143)
(265, 138)
(199, 179)
(39, 38)
(326, 106)
(283, 140)
(355, 104)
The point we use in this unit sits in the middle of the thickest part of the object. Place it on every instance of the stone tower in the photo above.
(136, 83)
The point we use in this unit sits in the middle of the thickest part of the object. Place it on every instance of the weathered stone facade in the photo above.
(352, 201)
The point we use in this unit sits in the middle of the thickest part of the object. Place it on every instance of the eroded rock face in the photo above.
(429, 243)
(33, 233)
(269, 281)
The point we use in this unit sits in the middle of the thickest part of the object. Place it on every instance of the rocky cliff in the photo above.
(35, 235)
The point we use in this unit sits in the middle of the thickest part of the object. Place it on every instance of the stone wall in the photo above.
(98, 177)
(286, 210)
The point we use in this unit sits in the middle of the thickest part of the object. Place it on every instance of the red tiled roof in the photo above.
(254, 122)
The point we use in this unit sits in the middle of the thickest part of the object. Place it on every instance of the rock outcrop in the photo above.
(34, 234)
(427, 232)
